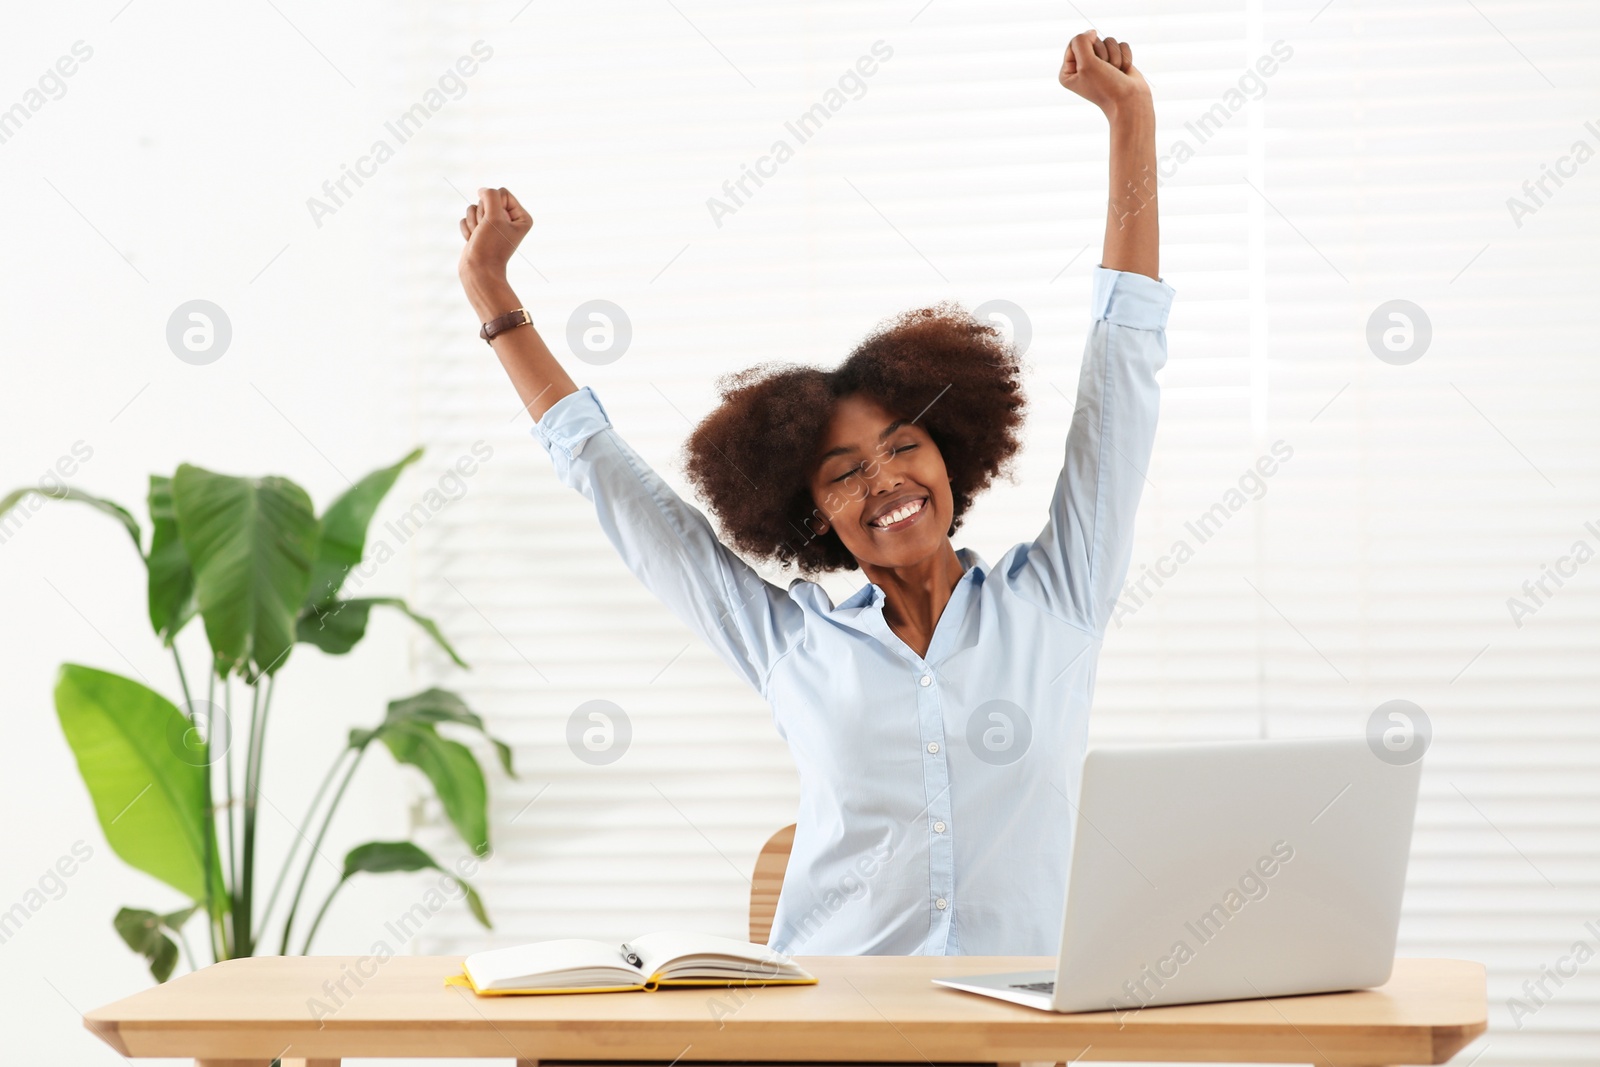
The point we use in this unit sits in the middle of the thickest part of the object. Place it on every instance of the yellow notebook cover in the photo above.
(463, 979)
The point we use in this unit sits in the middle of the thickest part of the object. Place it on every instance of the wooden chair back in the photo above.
(767, 880)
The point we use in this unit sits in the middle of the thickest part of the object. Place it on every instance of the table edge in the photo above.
(1444, 1039)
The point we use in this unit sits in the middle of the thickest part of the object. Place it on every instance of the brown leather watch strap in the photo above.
(496, 326)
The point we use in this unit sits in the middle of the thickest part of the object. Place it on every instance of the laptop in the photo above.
(1225, 871)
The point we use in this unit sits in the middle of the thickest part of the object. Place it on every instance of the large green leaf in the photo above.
(344, 529)
(251, 542)
(150, 800)
(66, 492)
(171, 579)
(454, 772)
(440, 705)
(382, 857)
(335, 626)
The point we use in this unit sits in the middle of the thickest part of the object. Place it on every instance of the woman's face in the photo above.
(880, 482)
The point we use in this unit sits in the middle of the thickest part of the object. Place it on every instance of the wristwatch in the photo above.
(496, 326)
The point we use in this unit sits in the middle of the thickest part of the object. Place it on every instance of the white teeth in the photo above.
(898, 514)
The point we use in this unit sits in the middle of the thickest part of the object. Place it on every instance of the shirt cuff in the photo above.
(569, 423)
(1128, 299)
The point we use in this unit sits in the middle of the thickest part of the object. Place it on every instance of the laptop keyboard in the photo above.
(1035, 987)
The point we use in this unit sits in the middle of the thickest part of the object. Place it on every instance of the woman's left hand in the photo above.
(1102, 72)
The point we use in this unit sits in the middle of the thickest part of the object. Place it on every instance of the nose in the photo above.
(885, 479)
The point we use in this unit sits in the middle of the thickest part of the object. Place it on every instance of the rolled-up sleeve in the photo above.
(667, 542)
(1076, 566)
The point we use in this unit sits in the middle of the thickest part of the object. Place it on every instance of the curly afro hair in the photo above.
(752, 458)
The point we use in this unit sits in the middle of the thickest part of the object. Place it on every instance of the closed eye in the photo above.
(857, 469)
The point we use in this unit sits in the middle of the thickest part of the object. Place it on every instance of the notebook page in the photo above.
(659, 950)
(502, 965)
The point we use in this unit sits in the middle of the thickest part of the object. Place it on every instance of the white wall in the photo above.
(1375, 164)
(186, 146)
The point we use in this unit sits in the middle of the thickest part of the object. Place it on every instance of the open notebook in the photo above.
(575, 965)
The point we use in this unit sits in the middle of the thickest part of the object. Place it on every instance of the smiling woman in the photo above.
(939, 716)
(810, 443)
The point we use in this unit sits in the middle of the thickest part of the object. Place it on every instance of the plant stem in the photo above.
(333, 805)
(183, 682)
(252, 789)
(306, 948)
(183, 939)
(233, 854)
(209, 830)
(294, 846)
(215, 914)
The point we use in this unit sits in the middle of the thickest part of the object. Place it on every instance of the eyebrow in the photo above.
(846, 449)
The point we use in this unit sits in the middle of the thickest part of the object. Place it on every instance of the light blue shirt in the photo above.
(936, 792)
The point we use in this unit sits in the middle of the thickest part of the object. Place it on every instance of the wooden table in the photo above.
(865, 1009)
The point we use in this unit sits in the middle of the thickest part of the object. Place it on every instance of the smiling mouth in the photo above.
(901, 516)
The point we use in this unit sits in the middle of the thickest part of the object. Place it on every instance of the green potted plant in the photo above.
(263, 572)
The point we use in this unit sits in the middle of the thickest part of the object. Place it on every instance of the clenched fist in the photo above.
(493, 227)
(1102, 72)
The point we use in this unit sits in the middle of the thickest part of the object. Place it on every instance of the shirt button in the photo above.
(938, 827)
(941, 904)
(933, 746)
(925, 681)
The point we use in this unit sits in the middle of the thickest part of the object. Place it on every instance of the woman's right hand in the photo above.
(493, 228)
(1102, 72)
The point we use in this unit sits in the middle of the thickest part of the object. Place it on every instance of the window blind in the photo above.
(1326, 525)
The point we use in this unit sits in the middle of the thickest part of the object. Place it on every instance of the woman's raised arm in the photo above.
(1076, 566)
(1103, 73)
(493, 228)
(666, 541)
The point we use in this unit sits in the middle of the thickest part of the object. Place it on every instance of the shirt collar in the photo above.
(870, 596)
